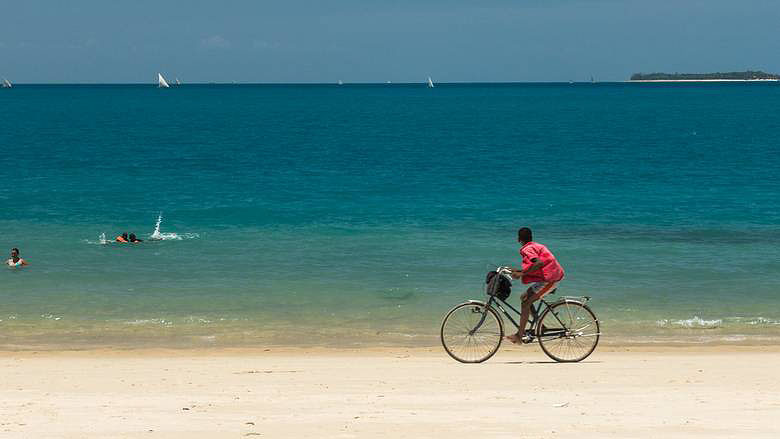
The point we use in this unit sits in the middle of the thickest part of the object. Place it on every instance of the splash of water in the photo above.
(156, 234)
(103, 238)
(160, 236)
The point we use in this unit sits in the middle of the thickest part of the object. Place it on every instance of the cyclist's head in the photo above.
(524, 235)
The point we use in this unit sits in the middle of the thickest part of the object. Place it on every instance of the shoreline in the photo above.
(161, 351)
(58, 336)
(694, 340)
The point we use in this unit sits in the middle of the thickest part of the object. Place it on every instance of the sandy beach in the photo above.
(707, 392)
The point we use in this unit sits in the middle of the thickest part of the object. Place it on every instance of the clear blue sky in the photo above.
(373, 41)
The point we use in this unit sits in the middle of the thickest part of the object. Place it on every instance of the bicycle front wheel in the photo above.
(568, 331)
(471, 332)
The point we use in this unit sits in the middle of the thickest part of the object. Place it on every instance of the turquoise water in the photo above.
(357, 215)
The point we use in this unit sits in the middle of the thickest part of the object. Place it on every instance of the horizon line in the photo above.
(422, 83)
(334, 83)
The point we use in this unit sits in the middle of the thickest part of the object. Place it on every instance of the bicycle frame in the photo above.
(536, 312)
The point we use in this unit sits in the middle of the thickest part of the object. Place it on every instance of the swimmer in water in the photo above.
(15, 260)
(133, 239)
(122, 238)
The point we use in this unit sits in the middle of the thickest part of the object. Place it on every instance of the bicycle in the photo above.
(567, 330)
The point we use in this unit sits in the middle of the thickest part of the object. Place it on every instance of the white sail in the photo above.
(161, 81)
(430, 82)
(6, 83)
(178, 82)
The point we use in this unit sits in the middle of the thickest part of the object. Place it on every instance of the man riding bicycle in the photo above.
(541, 270)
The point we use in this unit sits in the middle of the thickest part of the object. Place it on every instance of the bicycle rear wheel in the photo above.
(568, 331)
(471, 332)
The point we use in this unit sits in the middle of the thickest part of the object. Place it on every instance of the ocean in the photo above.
(357, 215)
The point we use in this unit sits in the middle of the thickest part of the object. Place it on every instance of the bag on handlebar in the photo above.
(498, 285)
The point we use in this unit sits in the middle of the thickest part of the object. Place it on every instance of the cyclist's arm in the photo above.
(537, 264)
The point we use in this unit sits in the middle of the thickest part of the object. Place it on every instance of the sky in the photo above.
(86, 41)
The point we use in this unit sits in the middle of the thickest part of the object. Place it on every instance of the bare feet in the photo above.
(514, 338)
(517, 338)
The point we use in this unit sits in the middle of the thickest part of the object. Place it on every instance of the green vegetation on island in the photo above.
(744, 76)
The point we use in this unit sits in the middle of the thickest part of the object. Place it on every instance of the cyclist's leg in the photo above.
(525, 309)
(525, 306)
(536, 291)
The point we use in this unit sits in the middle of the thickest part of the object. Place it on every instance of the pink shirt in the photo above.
(551, 271)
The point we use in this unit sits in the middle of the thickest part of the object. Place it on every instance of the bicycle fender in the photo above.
(581, 300)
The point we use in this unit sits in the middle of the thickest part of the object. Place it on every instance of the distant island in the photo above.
(749, 75)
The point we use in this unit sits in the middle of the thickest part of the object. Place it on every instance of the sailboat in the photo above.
(161, 81)
(178, 82)
(430, 82)
(6, 83)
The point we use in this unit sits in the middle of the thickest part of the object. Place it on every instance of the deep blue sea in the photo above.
(359, 214)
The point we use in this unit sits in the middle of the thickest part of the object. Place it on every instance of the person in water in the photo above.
(15, 260)
(133, 239)
(541, 270)
(122, 238)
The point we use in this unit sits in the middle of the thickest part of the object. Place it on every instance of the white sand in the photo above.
(709, 393)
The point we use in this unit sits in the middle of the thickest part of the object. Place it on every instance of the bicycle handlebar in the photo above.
(505, 271)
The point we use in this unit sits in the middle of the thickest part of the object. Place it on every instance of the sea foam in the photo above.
(695, 322)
